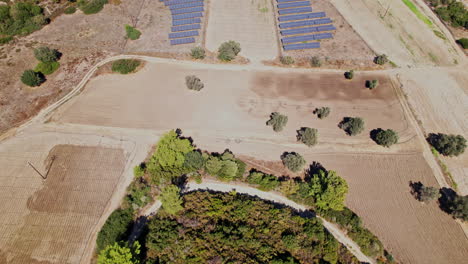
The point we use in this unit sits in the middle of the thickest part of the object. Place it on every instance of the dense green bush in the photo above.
(308, 136)
(322, 112)
(120, 254)
(115, 229)
(228, 50)
(21, 18)
(352, 125)
(47, 68)
(91, 6)
(125, 66)
(193, 83)
(455, 13)
(349, 74)
(447, 145)
(286, 60)
(381, 59)
(226, 167)
(194, 160)
(32, 78)
(463, 42)
(265, 182)
(293, 161)
(329, 190)
(132, 33)
(70, 10)
(5, 40)
(277, 121)
(198, 53)
(384, 138)
(170, 199)
(138, 194)
(46, 54)
(315, 62)
(459, 207)
(371, 84)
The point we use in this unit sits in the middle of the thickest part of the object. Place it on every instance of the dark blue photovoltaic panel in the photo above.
(294, 4)
(296, 31)
(186, 27)
(194, 4)
(183, 34)
(186, 21)
(305, 23)
(187, 10)
(295, 10)
(314, 45)
(182, 41)
(177, 2)
(323, 36)
(285, 1)
(188, 15)
(301, 16)
(297, 39)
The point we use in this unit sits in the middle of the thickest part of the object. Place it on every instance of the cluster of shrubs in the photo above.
(48, 64)
(263, 181)
(198, 53)
(125, 66)
(451, 11)
(277, 121)
(447, 145)
(89, 7)
(20, 18)
(193, 83)
(132, 33)
(228, 50)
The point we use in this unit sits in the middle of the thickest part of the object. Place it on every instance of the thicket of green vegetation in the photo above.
(263, 181)
(277, 121)
(91, 6)
(48, 60)
(459, 207)
(447, 145)
(70, 10)
(32, 78)
(228, 50)
(451, 11)
(229, 228)
(125, 66)
(115, 230)
(132, 33)
(463, 42)
(47, 68)
(120, 254)
(20, 18)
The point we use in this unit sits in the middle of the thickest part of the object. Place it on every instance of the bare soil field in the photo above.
(52, 220)
(236, 101)
(249, 22)
(390, 27)
(346, 49)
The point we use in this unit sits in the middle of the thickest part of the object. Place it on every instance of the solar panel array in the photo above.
(186, 20)
(297, 21)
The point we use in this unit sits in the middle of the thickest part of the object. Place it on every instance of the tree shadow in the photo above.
(415, 188)
(139, 232)
(374, 132)
(447, 195)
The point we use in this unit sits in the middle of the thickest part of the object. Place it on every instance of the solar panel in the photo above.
(296, 31)
(176, 2)
(182, 41)
(294, 4)
(186, 27)
(295, 10)
(185, 16)
(183, 34)
(301, 16)
(313, 45)
(186, 21)
(285, 1)
(187, 5)
(326, 28)
(297, 39)
(323, 36)
(187, 10)
(304, 23)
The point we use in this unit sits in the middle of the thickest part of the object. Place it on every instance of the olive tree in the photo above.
(193, 83)
(293, 161)
(308, 136)
(277, 121)
(32, 78)
(384, 138)
(322, 112)
(46, 54)
(447, 145)
(352, 125)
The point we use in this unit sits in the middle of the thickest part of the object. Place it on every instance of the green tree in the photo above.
(132, 33)
(193, 83)
(293, 161)
(228, 170)
(459, 207)
(90, 7)
(171, 150)
(46, 54)
(428, 193)
(384, 138)
(265, 182)
(47, 68)
(329, 190)
(194, 160)
(115, 229)
(213, 165)
(381, 59)
(322, 112)
(277, 121)
(308, 136)
(198, 53)
(352, 125)
(289, 187)
(463, 42)
(170, 199)
(228, 50)
(371, 84)
(116, 254)
(447, 145)
(32, 78)
(349, 74)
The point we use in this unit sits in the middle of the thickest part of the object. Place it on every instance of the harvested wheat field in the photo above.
(53, 220)
(249, 22)
(237, 102)
(379, 192)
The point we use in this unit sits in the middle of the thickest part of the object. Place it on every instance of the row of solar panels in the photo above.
(193, 4)
(285, 1)
(182, 41)
(307, 38)
(177, 2)
(295, 10)
(187, 10)
(294, 4)
(186, 16)
(304, 23)
(186, 19)
(301, 16)
(314, 45)
(296, 31)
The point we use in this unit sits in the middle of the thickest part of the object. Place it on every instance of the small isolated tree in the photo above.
(32, 78)
(424, 193)
(315, 62)
(228, 50)
(46, 54)
(286, 60)
(293, 161)
(132, 33)
(459, 207)
(384, 138)
(349, 74)
(170, 199)
(447, 145)
(193, 83)
(381, 59)
(198, 53)
(308, 136)
(117, 254)
(371, 84)
(277, 121)
(352, 125)
(322, 112)
(125, 66)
